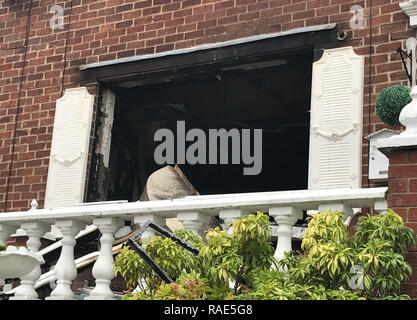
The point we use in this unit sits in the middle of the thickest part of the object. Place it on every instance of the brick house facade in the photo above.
(106, 30)
(37, 63)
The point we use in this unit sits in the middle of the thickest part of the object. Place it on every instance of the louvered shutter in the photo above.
(335, 159)
(69, 149)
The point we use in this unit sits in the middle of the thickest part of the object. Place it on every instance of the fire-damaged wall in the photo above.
(231, 97)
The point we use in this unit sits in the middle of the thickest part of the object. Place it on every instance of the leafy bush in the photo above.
(165, 252)
(220, 258)
(332, 266)
(3, 248)
(238, 257)
(225, 259)
(374, 257)
(388, 227)
(186, 287)
(381, 242)
(389, 103)
(273, 285)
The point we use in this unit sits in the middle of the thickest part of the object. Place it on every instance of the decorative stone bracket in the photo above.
(410, 9)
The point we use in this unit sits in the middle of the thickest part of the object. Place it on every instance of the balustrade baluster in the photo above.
(285, 217)
(65, 269)
(149, 233)
(195, 222)
(228, 216)
(103, 268)
(26, 290)
(381, 206)
(346, 210)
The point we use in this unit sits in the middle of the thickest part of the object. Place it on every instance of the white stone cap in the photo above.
(396, 142)
(384, 132)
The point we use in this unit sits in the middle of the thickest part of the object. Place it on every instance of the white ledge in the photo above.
(397, 142)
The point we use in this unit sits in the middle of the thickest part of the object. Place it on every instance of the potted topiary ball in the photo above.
(389, 103)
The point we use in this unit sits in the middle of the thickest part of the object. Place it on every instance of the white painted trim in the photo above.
(210, 205)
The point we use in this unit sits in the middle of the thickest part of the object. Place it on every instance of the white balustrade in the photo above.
(35, 230)
(285, 217)
(381, 206)
(149, 233)
(195, 221)
(194, 212)
(65, 269)
(103, 268)
(228, 216)
(344, 209)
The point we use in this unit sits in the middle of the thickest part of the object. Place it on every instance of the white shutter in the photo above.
(335, 159)
(69, 149)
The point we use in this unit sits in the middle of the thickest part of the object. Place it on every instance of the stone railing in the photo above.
(193, 212)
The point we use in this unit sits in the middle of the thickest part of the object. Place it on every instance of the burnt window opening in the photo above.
(272, 95)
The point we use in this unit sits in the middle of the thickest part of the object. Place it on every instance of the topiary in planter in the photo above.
(389, 103)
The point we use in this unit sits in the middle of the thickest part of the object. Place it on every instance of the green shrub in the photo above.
(186, 287)
(165, 252)
(220, 258)
(388, 227)
(225, 259)
(375, 255)
(3, 247)
(333, 266)
(381, 242)
(389, 103)
(272, 285)
(240, 256)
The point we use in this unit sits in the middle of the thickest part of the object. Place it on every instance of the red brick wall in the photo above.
(110, 29)
(402, 197)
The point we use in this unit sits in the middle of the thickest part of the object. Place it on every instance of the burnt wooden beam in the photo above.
(209, 59)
